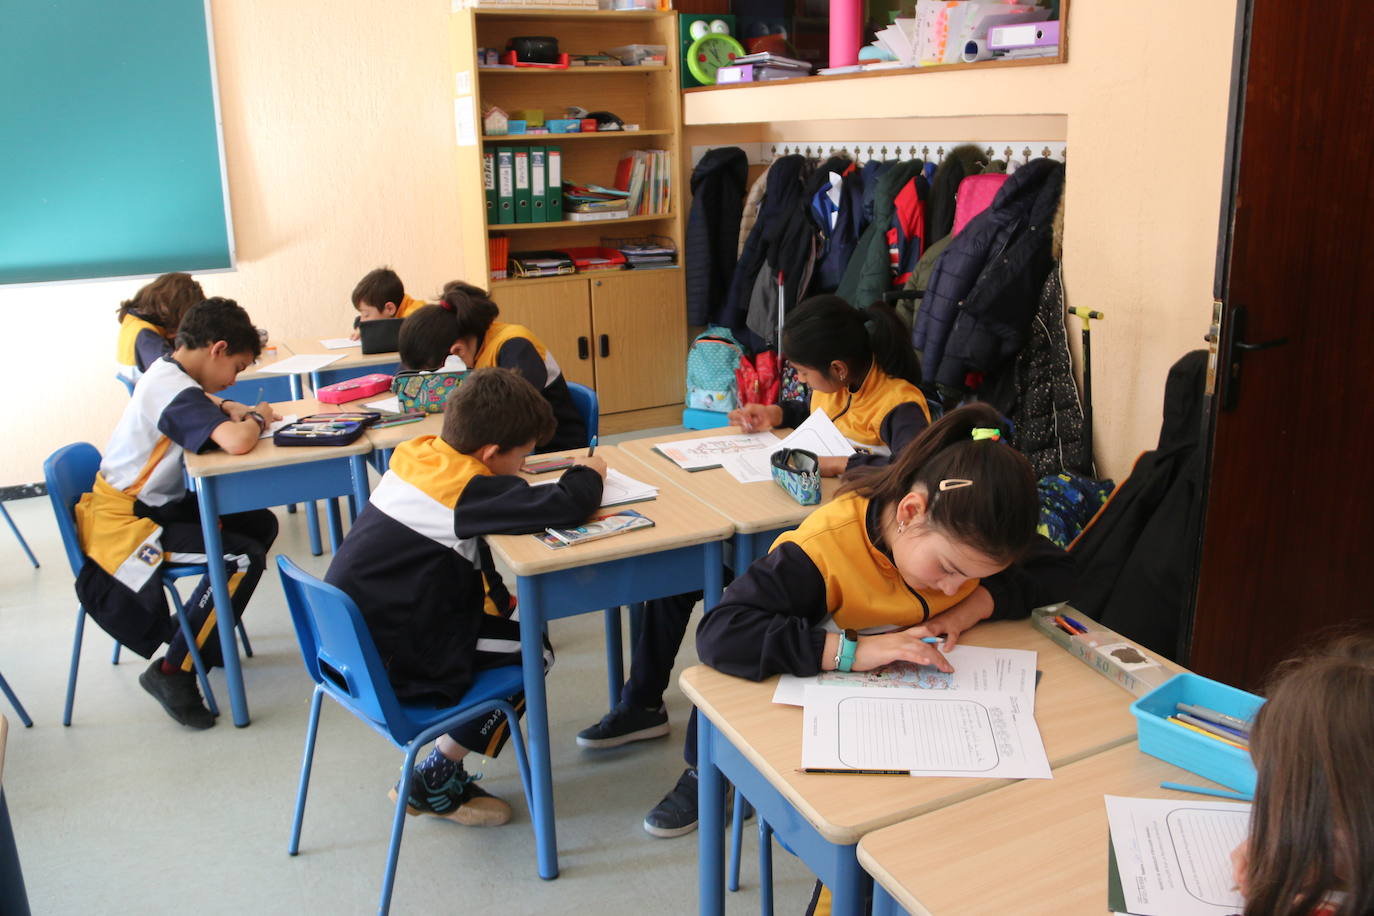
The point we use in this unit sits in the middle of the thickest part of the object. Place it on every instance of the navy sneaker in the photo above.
(179, 695)
(624, 724)
(459, 799)
(677, 813)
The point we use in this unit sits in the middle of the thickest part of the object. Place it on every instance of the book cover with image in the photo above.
(600, 526)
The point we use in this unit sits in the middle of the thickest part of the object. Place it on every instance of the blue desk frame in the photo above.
(583, 589)
(315, 477)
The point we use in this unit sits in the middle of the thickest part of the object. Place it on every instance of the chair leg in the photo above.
(201, 673)
(398, 822)
(765, 868)
(335, 524)
(76, 660)
(243, 637)
(311, 729)
(15, 528)
(14, 701)
(290, 508)
(736, 840)
(114, 655)
(615, 656)
(522, 761)
(312, 527)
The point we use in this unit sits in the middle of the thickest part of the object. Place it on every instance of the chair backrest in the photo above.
(339, 653)
(69, 472)
(585, 400)
(126, 382)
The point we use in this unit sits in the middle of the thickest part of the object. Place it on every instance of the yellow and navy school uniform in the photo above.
(139, 516)
(409, 304)
(414, 563)
(513, 346)
(834, 573)
(878, 418)
(141, 343)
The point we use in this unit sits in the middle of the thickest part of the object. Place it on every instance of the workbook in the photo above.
(707, 452)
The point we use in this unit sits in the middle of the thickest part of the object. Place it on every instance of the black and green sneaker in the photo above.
(459, 799)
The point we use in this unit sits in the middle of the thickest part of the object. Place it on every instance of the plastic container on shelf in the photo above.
(1207, 757)
(640, 55)
(588, 259)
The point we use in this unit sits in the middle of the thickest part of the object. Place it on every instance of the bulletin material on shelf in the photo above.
(1174, 856)
(977, 669)
(707, 452)
(817, 435)
(921, 732)
(301, 364)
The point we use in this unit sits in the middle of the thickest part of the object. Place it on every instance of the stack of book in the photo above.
(761, 66)
(540, 264)
(646, 177)
(584, 202)
(646, 254)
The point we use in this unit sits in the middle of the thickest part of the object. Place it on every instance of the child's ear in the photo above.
(219, 348)
(911, 509)
(486, 453)
(389, 309)
(453, 348)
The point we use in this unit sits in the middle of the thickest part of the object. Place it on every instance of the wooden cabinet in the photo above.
(623, 333)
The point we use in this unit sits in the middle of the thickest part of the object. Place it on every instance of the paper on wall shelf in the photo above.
(301, 364)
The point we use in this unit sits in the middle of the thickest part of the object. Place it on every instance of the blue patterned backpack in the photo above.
(711, 364)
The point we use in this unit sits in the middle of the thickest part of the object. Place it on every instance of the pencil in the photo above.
(1204, 790)
(1194, 728)
(842, 772)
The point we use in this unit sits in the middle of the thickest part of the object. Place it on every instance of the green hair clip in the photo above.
(984, 432)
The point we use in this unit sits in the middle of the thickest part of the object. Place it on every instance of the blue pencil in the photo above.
(1203, 790)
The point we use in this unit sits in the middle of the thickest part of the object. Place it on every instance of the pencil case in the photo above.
(425, 391)
(1207, 757)
(325, 429)
(799, 473)
(354, 388)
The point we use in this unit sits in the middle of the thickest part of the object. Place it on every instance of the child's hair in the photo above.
(995, 514)
(219, 319)
(496, 407)
(164, 301)
(427, 335)
(378, 287)
(1312, 827)
(826, 328)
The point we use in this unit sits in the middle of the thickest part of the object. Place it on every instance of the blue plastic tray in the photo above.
(695, 418)
(1211, 759)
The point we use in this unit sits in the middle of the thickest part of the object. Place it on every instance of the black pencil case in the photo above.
(326, 429)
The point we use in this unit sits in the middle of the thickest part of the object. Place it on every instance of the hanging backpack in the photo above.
(976, 193)
(711, 363)
(757, 382)
(1067, 503)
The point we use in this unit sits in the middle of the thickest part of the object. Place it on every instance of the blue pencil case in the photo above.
(799, 473)
(326, 429)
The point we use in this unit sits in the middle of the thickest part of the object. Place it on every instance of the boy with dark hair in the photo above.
(380, 294)
(139, 514)
(414, 564)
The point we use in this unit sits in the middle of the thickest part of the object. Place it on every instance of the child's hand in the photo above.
(754, 418)
(832, 466)
(355, 334)
(267, 413)
(593, 462)
(1240, 864)
(900, 645)
(953, 622)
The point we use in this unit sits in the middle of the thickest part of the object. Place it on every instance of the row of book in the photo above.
(646, 176)
(524, 184)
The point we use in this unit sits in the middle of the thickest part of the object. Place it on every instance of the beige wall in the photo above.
(339, 134)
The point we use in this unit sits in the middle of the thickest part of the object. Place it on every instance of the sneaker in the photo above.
(179, 694)
(459, 800)
(624, 724)
(677, 813)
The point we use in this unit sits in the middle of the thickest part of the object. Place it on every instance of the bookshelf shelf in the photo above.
(579, 223)
(513, 139)
(570, 71)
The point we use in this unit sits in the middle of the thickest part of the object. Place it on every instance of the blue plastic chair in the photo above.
(70, 471)
(127, 383)
(15, 528)
(587, 404)
(342, 660)
(14, 701)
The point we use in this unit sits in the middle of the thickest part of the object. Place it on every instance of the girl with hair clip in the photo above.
(148, 322)
(1311, 846)
(463, 324)
(862, 373)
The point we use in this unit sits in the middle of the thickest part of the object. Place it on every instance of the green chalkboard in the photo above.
(110, 155)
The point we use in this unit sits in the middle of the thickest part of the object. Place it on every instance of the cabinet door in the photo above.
(640, 339)
(557, 312)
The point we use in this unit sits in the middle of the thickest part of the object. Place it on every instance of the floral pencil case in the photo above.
(799, 473)
(425, 391)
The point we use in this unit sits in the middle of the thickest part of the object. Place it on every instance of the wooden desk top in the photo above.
(350, 357)
(1079, 712)
(750, 506)
(268, 455)
(680, 520)
(1035, 847)
(392, 436)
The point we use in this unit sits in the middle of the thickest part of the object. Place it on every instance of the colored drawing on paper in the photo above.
(895, 674)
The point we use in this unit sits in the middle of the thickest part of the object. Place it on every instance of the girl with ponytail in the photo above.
(862, 373)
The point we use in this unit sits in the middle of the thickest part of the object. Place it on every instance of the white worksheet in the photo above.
(817, 435)
(928, 733)
(392, 404)
(706, 452)
(277, 424)
(301, 364)
(618, 489)
(339, 343)
(1175, 856)
(977, 669)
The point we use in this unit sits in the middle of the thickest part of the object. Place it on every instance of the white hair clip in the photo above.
(954, 483)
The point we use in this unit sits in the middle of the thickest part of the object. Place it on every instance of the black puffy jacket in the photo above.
(713, 231)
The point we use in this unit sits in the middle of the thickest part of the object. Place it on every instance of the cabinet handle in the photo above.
(584, 348)
(605, 345)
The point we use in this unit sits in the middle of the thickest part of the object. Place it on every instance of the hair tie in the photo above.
(447, 306)
(985, 432)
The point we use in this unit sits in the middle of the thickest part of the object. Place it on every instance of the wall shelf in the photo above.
(569, 71)
(514, 139)
(578, 223)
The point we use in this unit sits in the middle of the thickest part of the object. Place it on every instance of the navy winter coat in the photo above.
(713, 231)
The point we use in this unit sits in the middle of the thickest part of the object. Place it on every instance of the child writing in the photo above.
(414, 564)
(463, 324)
(139, 514)
(862, 373)
(931, 544)
(1311, 846)
(148, 322)
(380, 294)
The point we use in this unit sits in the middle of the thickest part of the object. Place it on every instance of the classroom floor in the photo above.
(126, 811)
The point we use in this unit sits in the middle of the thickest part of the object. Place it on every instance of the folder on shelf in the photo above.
(523, 212)
(553, 202)
(489, 183)
(505, 184)
(539, 186)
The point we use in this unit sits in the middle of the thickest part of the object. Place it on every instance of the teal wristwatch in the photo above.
(849, 644)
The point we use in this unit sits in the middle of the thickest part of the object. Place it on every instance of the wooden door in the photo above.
(558, 312)
(640, 338)
(1290, 512)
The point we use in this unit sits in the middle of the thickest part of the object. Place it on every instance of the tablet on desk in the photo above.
(380, 335)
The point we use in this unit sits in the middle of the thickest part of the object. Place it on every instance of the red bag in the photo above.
(757, 381)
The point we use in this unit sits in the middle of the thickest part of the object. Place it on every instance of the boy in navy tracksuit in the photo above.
(414, 564)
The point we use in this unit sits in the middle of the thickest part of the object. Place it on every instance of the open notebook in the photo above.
(619, 490)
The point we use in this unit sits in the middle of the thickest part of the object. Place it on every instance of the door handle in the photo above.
(1233, 347)
(584, 348)
(605, 345)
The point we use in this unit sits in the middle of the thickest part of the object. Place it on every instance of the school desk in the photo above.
(353, 362)
(385, 440)
(274, 386)
(759, 511)
(13, 898)
(269, 475)
(1036, 847)
(754, 743)
(681, 553)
